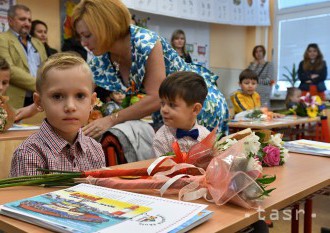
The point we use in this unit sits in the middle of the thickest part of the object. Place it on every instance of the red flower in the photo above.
(272, 157)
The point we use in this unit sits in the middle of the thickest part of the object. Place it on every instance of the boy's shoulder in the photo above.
(238, 91)
(165, 130)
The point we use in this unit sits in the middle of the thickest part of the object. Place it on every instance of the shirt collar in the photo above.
(19, 36)
(173, 130)
(56, 142)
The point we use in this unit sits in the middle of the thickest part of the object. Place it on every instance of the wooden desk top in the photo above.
(301, 176)
(16, 135)
(275, 123)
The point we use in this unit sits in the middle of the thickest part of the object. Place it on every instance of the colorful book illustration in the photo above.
(88, 208)
(20, 126)
(309, 147)
(194, 221)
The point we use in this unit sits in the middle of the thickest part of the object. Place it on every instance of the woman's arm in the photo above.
(322, 75)
(26, 112)
(155, 74)
(303, 76)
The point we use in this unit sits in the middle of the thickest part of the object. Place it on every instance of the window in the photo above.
(294, 30)
(294, 3)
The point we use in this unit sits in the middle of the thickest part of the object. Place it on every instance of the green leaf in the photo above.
(261, 136)
(168, 153)
(267, 179)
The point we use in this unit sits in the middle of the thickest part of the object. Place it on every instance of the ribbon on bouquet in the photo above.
(228, 178)
(199, 155)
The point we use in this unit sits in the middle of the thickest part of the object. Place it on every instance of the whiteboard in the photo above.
(296, 34)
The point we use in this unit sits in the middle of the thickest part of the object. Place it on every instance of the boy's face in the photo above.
(118, 97)
(178, 114)
(4, 81)
(67, 100)
(248, 86)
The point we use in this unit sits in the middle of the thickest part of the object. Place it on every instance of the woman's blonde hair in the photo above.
(108, 20)
(176, 34)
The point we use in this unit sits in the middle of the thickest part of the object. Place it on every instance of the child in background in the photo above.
(247, 98)
(64, 90)
(114, 105)
(4, 76)
(293, 98)
(7, 113)
(182, 96)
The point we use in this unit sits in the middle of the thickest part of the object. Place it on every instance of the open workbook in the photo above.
(309, 147)
(87, 208)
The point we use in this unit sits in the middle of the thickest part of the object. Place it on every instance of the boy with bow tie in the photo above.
(182, 96)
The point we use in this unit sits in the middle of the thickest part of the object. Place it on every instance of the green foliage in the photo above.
(293, 75)
(254, 114)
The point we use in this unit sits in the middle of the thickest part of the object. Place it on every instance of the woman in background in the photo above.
(313, 72)
(264, 70)
(129, 58)
(39, 30)
(178, 42)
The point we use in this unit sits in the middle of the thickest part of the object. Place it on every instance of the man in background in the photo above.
(24, 55)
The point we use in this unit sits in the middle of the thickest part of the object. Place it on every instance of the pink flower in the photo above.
(272, 157)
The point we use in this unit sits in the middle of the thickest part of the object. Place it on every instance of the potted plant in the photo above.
(293, 75)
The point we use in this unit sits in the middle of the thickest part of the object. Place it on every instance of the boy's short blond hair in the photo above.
(61, 61)
(108, 20)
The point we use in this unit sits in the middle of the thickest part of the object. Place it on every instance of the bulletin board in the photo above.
(4, 7)
(197, 33)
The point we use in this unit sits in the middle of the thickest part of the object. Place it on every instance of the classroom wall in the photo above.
(231, 50)
(49, 12)
(230, 46)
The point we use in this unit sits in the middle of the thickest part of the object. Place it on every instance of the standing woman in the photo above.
(39, 30)
(178, 42)
(128, 57)
(264, 70)
(313, 72)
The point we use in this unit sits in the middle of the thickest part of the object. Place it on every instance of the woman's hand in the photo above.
(96, 128)
(26, 112)
(314, 76)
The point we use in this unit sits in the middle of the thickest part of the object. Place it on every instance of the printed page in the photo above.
(309, 147)
(88, 208)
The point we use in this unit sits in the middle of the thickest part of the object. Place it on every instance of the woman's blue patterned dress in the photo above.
(215, 109)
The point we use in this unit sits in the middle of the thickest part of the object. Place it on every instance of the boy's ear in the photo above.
(197, 108)
(93, 100)
(37, 101)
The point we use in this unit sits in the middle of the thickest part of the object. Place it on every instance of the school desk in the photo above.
(300, 177)
(9, 141)
(293, 128)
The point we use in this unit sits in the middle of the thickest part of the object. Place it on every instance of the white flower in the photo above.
(263, 117)
(276, 140)
(229, 143)
(252, 144)
(254, 165)
(285, 154)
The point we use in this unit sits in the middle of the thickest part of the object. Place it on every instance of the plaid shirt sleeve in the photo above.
(160, 143)
(25, 161)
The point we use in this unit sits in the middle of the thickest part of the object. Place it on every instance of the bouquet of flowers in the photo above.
(221, 174)
(254, 114)
(7, 115)
(262, 145)
(310, 106)
(97, 112)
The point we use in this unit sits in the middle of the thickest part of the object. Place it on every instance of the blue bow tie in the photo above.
(180, 133)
